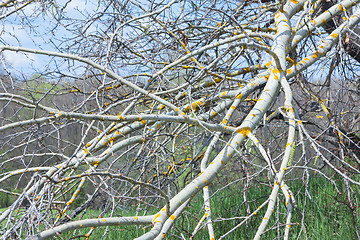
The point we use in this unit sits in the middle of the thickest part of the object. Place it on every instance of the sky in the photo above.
(33, 28)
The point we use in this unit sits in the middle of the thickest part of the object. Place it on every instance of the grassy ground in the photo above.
(327, 217)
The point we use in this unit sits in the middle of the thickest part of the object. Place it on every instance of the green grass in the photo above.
(325, 217)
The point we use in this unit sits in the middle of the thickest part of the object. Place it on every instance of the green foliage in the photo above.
(38, 85)
(4, 200)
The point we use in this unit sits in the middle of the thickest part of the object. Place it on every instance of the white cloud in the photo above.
(19, 60)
